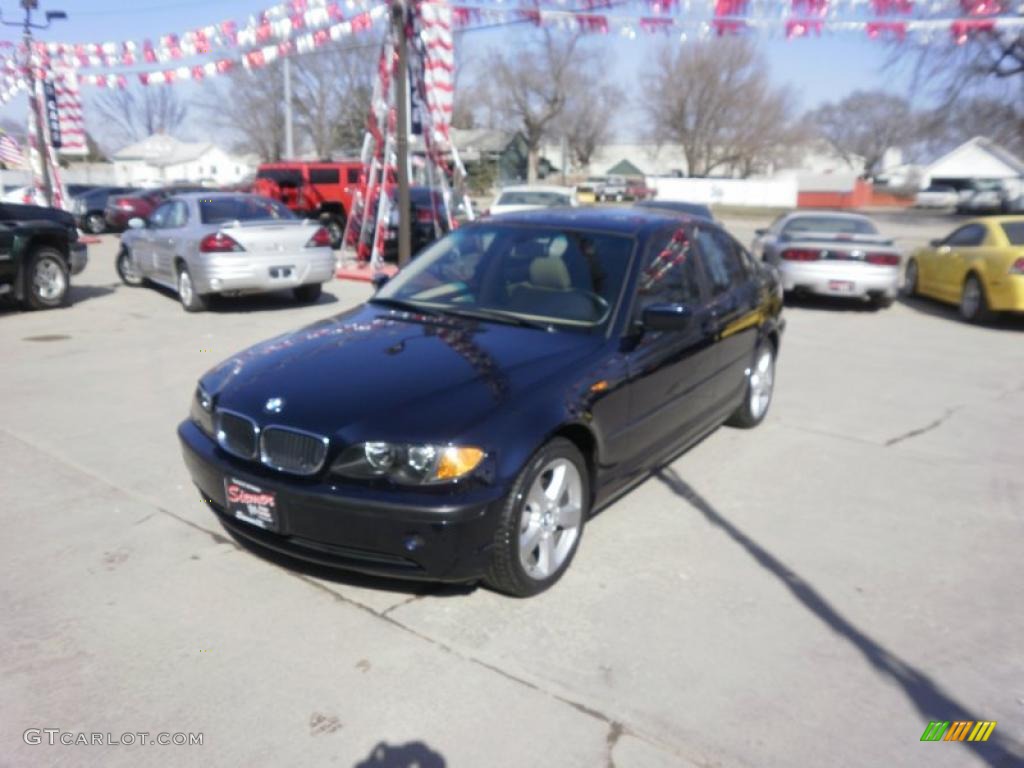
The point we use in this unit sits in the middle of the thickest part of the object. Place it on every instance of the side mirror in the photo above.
(379, 280)
(666, 317)
(136, 223)
(761, 232)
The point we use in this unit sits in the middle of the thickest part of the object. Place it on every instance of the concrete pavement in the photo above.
(812, 592)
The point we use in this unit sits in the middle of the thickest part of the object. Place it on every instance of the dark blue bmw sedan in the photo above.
(465, 422)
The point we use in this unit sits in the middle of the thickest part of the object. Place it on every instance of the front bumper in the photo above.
(79, 257)
(827, 278)
(251, 272)
(351, 528)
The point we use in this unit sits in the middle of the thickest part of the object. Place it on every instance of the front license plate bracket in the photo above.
(251, 504)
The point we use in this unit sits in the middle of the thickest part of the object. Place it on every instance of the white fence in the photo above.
(771, 193)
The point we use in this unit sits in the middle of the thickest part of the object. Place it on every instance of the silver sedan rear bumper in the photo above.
(250, 272)
(838, 278)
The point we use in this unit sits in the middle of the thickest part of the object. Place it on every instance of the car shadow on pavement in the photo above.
(257, 302)
(830, 303)
(79, 293)
(1003, 322)
(924, 693)
(350, 578)
(415, 754)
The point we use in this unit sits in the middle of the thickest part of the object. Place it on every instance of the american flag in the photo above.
(10, 152)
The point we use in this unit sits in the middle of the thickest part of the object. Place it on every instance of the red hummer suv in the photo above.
(323, 190)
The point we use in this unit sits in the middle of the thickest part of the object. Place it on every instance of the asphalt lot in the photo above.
(809, 593)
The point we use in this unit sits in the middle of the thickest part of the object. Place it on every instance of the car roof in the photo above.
(537, 188)
(625, 221)
(209, 195)
(826, 215)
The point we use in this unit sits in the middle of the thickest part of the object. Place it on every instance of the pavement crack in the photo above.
(922, 430)
(615, 731)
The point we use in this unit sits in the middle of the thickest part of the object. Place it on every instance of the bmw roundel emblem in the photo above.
(274, 405)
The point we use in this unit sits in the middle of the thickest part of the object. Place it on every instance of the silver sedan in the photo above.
(201, 244)
(831, 254)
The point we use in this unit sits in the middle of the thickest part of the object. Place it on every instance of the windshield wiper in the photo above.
(482, 313)
(408, 306)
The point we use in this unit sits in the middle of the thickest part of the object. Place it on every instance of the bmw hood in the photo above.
(373, 373)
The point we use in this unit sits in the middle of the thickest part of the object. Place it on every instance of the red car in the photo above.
(637, 189)
(122, 208)
(322, 190)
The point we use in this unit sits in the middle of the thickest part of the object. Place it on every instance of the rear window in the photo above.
(323, 176)
(839, 225)
(284, 176)
(1014, 232)
(217, 210)
(533, 198)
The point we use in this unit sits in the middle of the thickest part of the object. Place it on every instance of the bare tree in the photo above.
(528, 86)
(588, 119)
(135, 113)
(867, 123)
(250, 105)
(331, 94)
(949, 70)
(715, 99)
(997, 119)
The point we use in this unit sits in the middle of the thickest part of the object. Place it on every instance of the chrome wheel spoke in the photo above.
(556, 488)
(550, 519)
(569, 516)
(545, 556)
(530, 537)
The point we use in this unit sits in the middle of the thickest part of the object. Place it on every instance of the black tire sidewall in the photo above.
(125, 254)
(308, 294)
(34, 301)
(198, 303)
(910, 288)
(506, 573)
(94, 217)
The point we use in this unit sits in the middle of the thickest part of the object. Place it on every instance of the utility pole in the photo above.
(398, 19)
(35, 102)
(289, 144)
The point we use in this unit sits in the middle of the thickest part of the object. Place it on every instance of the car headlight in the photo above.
(201, 411)
(408, 464)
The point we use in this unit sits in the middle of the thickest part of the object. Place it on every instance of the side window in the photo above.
(741, 263)
(158, 219)
(353, 175)
(178, 215)
(720, 264)
(323, 176)
(971, 235)
(668, 275)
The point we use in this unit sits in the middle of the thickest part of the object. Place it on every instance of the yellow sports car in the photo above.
(980, 266)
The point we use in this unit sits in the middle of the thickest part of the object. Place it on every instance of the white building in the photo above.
(977, 159)
(162, 159)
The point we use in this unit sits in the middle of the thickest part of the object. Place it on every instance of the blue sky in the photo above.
(819, 69)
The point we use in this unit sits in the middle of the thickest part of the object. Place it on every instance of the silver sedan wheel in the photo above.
(128, 269)
(550, 519)
(762, 382)
(970, 301)
(49, 281)
(185, 287)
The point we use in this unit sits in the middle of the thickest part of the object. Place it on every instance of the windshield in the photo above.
(838, 225)
(284, 176)
(549, 275)
(217, 210)
(545, 199)
(1014, 232)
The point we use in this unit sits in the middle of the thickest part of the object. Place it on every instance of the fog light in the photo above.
(413, 542)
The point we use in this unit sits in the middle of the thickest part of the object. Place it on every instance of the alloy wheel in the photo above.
(550, 519)
(48, 281)
(762, 382)
(970, 301)
(185, 287)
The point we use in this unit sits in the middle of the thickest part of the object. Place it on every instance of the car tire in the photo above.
(336, 226)
(308, 294)
(530, 550)
(757, 394)
(190, 300)
(126, 269)
(46, 279)
(910, 278)
(973, 302)
(95, 224)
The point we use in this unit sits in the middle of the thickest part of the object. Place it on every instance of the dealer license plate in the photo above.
(843, 286)
(251, 504)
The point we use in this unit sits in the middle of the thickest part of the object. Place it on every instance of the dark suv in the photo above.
(39, 249)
